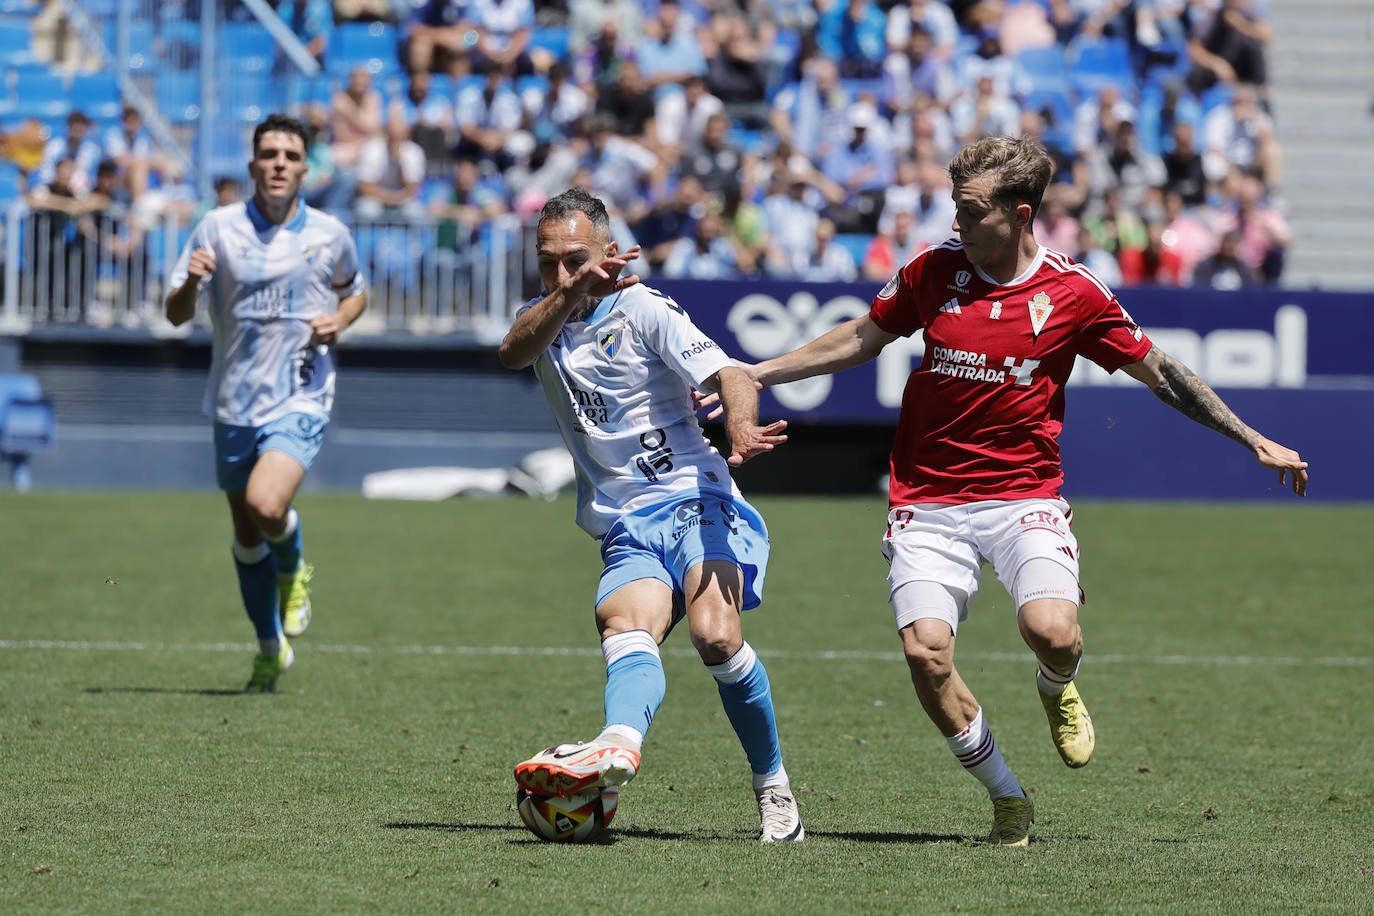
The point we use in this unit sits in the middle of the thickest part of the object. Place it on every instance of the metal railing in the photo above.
(426, 277)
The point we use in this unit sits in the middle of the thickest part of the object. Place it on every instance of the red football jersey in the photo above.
(982, 413)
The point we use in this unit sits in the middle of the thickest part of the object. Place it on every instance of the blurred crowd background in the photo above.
(731, 138)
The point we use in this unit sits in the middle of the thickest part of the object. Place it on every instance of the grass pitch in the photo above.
(1229, 670)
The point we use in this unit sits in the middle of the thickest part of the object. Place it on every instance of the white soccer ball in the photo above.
(576, 818)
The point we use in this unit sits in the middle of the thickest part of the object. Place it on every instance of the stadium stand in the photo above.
(549, 87)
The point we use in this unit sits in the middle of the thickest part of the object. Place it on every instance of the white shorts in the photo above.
(946, 544)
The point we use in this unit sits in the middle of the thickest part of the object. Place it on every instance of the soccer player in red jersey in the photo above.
(975, 465)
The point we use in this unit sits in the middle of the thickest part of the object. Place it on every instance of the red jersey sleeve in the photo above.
(895, 308)
(1108, 334)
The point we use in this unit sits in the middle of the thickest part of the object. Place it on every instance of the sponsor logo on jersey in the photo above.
(1040, 308)
(961, 281)
(688, 511)
(888, 291)
(965, 364)
(698, 348)
(1130, 322)
(952, 307)
(609, 342)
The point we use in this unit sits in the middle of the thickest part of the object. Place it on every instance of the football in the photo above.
(576, 818)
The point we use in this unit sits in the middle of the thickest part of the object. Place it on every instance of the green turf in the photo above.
(1228, 670)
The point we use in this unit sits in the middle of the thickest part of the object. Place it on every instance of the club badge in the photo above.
(609, 341)
(1040, 309)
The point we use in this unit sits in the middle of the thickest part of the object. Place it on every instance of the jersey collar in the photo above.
(1024, 275)
(603, 308)
(262, 223)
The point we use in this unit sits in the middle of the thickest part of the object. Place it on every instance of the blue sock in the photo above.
(258, 585)
(748, 701)
(635, 684)
(287, 551)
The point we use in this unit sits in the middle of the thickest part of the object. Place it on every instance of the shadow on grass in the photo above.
(650, 833)
(207, 692)
(606, 838)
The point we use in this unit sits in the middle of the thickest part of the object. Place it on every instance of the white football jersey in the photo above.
(618, 385)
(269, 281)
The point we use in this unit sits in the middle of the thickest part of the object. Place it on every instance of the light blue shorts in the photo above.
(237, 447)
(664, 541)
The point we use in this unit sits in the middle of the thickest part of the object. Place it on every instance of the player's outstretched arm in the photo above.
(1179, 387)
(537, 327)
(740, 398)
(856, 341)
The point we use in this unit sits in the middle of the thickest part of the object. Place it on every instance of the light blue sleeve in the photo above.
(681, 345)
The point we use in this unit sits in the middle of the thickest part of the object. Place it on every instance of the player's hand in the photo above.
(751, 440)
(327, 328)
(701, 400)
(599, 279)
(202, 264)
(1285, 461)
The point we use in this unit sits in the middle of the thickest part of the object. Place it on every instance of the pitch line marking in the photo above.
(1291, 661)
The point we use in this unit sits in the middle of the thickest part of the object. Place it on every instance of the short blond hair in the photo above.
(1020, 169)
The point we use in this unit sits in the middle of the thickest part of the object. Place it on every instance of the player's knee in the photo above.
(1052, 626)
(929, 652)
(717, 639)
(268, 509)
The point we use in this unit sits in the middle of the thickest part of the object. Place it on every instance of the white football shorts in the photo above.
(946, 544)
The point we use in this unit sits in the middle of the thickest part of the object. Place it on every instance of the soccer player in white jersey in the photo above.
(284, 283)
(975, 465)
(617, 361)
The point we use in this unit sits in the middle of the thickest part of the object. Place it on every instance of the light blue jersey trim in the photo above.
(603, 308)
(262, 223)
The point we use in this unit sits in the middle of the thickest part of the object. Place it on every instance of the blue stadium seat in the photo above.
(40, 92)
(552, 39)
(1041, 70)
(181, 44)
(1220, 94)
(11, 181)
(96, 94)
(246, 47)
(142, 55)
(178, 99)
(856, 87)
(856, 243)
(248, 97)
(370, 45)
(16, 42)
(1101, 62)
(28, 424)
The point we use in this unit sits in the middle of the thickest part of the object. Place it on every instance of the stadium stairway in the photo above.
(1321, 74)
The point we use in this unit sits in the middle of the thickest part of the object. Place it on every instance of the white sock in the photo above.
(736, 666)
(292, 520)
(977, 751)
(1051, 682)
(250, 556)
(775, 780)
(621, 736)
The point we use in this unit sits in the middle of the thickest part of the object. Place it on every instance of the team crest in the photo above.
(961, 278)
(891, 287)
(1040, 309)
(609, 341)
(310, 253)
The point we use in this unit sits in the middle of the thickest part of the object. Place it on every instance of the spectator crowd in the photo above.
(778, 138)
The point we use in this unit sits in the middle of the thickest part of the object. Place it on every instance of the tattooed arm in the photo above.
(1179, 387)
